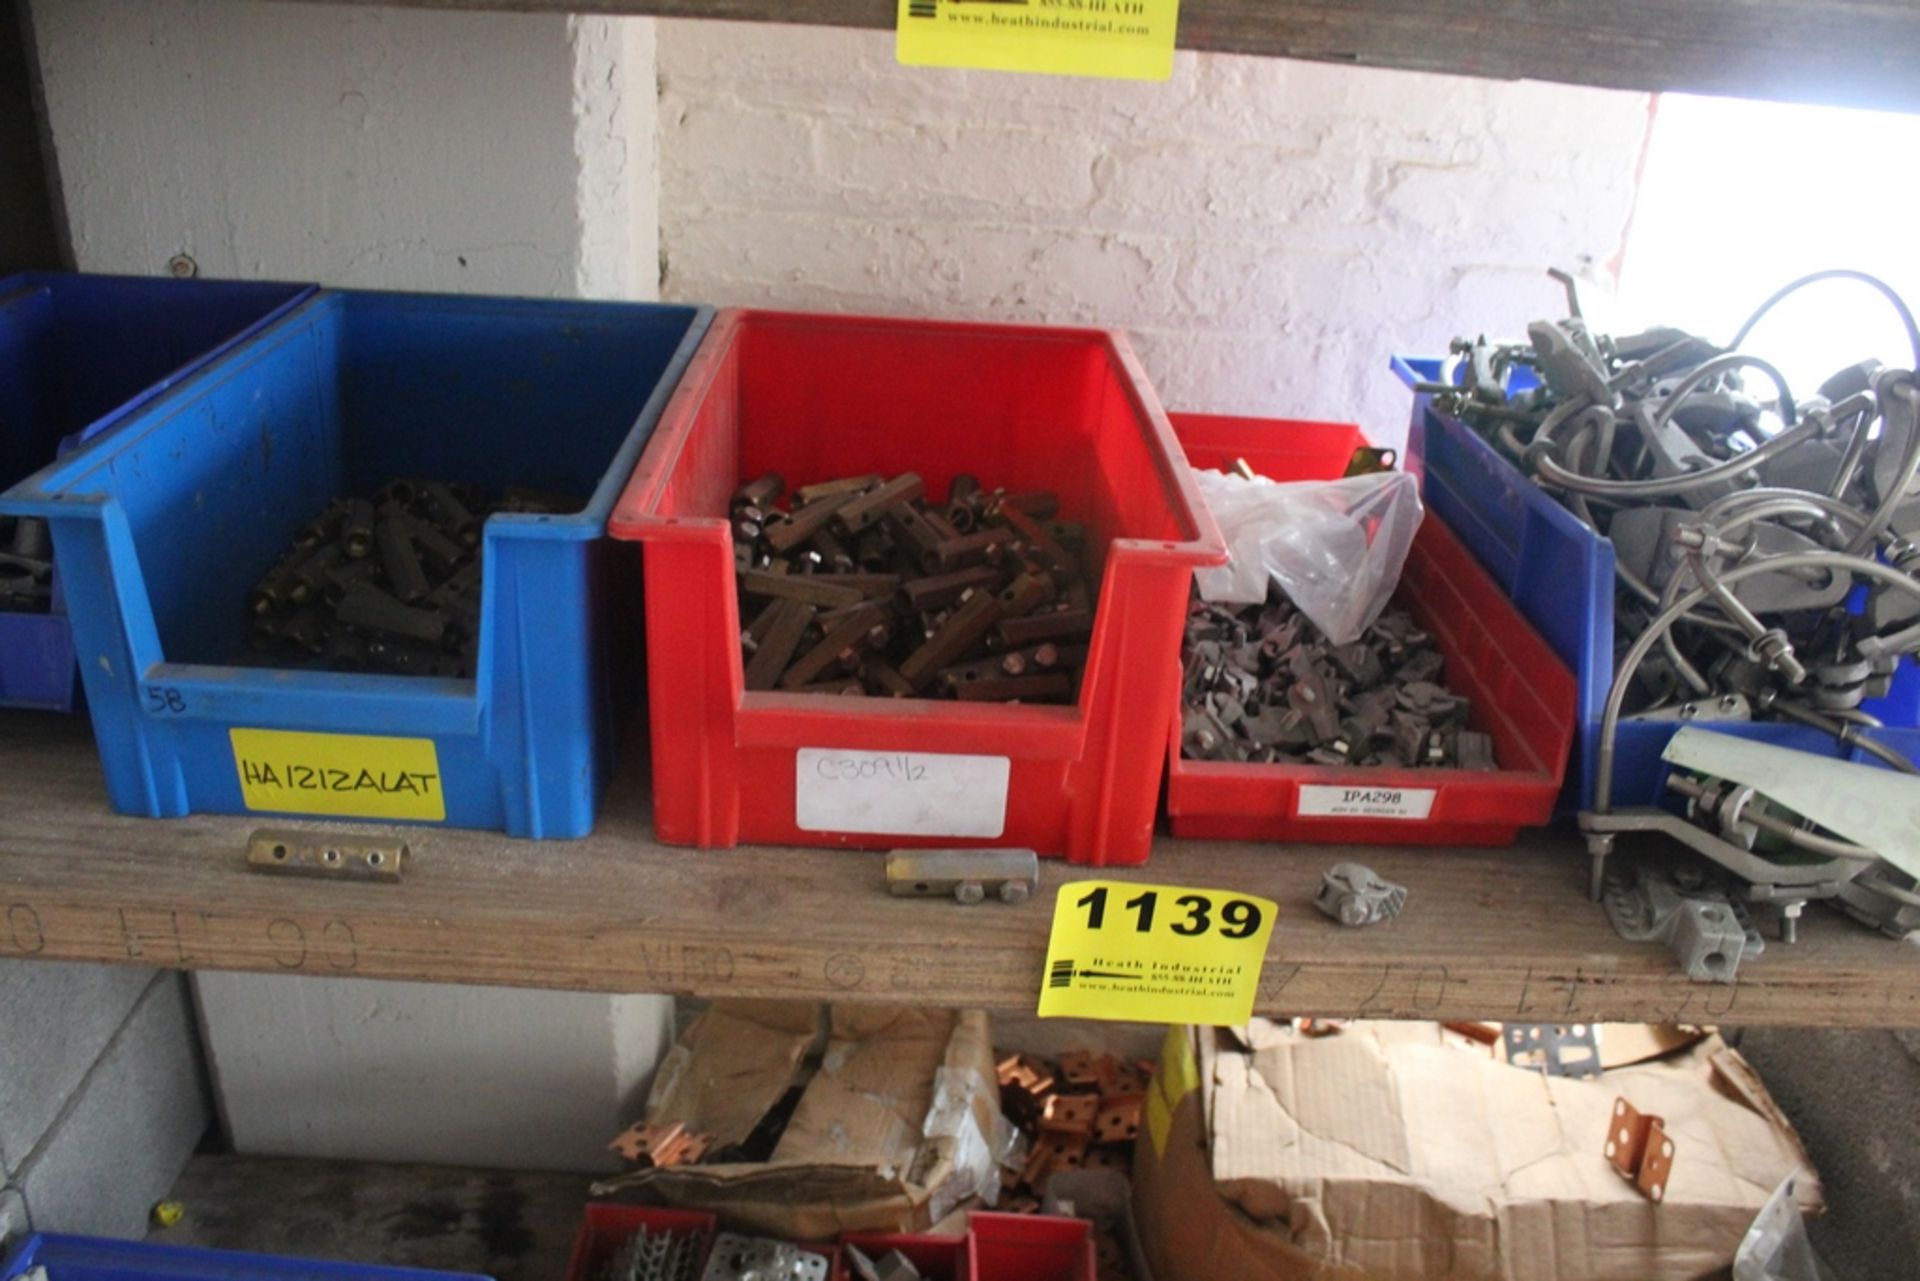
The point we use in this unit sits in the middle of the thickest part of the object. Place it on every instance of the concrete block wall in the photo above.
(102, 1095)
(365, 147)
(383, 1071)
(1267, 231)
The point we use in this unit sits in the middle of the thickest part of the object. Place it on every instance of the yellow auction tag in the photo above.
(1155, 953)
(343, 775)
(1116, 39)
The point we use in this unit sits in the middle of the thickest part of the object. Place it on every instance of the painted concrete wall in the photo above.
(375, 148)
(1268, 231)
(102, 1097)
(413, 1071)
(388, 149)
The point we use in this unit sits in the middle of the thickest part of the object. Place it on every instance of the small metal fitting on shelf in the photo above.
(970, 876)
(1355, 895)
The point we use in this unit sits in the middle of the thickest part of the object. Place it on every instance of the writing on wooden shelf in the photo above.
(341, 775)
(1421, 989)
(899, 793)
(686, 965)
(24, 934)
(333, 946)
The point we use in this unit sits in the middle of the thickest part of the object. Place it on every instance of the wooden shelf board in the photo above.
(1857, 53)
(1487, 934)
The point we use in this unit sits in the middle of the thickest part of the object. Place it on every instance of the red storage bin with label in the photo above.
(819, 397)
(1522, 693)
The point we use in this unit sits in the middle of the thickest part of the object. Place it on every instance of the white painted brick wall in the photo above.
(1268, 231)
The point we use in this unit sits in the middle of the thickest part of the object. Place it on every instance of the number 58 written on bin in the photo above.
(1190, 915)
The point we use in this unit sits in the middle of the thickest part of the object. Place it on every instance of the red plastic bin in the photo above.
(1032, 1247)
(818, 397)
(607, 1227)
(937, 1258)
(1522, 693)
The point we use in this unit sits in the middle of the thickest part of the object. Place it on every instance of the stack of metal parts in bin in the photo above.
(389, 584)
(1078, 1112)
(654, 1254)
(1742, 525)
(1263, 684)
(863, 586)
(26, 565)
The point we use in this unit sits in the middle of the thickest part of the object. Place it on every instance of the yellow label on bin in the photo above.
(342, 775)
(1155, 953)
(1115, 39)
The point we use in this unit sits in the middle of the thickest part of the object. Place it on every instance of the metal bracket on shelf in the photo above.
(293, 852)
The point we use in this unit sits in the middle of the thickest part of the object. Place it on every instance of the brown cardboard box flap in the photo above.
(793, 1202)
(730, 1068)
(1394, 1151)
(900, 1120)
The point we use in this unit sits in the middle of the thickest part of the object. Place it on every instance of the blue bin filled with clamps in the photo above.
(1560, 573)
(77, 1258)
(165, 527)
(77, 355)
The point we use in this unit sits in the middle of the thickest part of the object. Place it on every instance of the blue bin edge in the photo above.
(104, 1259)
(37, 667)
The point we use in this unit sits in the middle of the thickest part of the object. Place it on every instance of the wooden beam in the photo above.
(1858, 53)
(1499, 935)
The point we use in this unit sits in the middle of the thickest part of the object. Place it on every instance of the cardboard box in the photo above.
(1394, 1150)
(898, 1122)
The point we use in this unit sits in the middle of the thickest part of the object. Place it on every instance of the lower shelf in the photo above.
(1487, 934)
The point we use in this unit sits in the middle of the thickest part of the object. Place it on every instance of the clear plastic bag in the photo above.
(1335, 547)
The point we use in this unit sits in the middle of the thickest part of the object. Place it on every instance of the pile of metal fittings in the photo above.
(1263, 684)
(26, 565)
(656, 1254)
(1078, 1112)
(1767, 547)
(865, 586)
(1763, 514)
(389, 584)
(743, 1258)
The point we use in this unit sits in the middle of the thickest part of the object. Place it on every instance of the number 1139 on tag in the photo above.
(1155, 953)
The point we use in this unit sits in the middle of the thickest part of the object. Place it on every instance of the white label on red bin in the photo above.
(899, 793)
(1320, 801)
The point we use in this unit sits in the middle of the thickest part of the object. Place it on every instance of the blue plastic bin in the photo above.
(77, 354)
(164, 525)
(1560, 574)
(74, 1258)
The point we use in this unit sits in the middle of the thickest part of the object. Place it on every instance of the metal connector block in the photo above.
(970, 876)
(298, 852)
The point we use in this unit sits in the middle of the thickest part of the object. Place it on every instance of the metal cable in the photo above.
(1837, 273)
(1637, 652)
(1848, 734)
